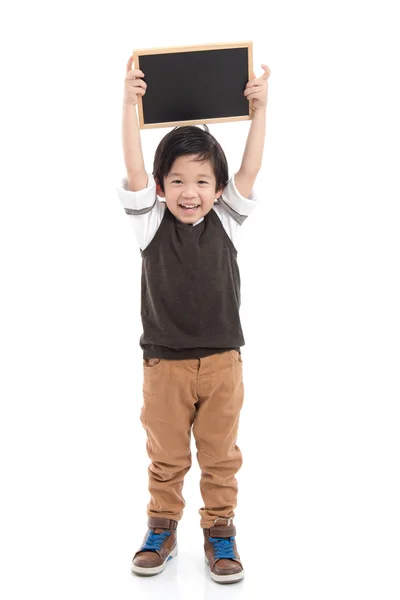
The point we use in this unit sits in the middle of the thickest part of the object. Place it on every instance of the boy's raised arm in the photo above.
(132, 147)
(257, 91)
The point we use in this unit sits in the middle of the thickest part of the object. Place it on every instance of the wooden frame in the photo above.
(222, 46)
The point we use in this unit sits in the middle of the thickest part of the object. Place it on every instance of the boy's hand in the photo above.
(134, 86)
(257, 89)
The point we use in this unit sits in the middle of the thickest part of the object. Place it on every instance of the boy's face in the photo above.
(191, 184)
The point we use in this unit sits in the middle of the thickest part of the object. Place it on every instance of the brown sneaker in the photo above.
(159, 546)
(222, 556)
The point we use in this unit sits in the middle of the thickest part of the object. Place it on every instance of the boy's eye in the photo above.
(179, 181)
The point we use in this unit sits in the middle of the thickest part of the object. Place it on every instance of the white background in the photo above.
(318, 513)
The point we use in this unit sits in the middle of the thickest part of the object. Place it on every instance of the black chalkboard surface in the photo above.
(189, 85)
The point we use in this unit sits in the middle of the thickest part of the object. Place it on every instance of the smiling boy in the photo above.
(192, 335)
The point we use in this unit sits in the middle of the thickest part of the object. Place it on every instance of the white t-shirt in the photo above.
(146, 211)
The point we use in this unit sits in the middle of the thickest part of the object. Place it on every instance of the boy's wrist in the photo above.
(259, 109)
(128, 102)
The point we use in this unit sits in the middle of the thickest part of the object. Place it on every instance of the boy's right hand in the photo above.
(134, 86)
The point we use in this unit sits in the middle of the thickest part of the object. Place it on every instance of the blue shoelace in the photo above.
(155, 540)
(223, 547)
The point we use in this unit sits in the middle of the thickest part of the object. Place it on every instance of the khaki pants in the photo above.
(206, 393)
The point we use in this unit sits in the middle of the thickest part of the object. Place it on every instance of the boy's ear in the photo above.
(219, 193)
(159, 191)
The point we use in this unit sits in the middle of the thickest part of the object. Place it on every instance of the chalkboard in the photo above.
(191, 85)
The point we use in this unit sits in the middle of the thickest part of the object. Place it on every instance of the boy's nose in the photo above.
(189, 194)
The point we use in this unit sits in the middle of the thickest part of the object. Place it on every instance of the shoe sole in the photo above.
(148, 571)
(232, 578)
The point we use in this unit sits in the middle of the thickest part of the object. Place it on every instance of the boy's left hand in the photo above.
(257, 89)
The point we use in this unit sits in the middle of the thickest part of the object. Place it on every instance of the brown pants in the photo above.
(206, 393)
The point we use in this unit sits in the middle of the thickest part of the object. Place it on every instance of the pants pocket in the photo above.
(237, 357)
(151, 363)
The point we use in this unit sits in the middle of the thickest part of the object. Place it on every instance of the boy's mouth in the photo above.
(191, 208)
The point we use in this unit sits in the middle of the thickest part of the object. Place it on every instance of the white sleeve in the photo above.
(143, 208)
(233, 209)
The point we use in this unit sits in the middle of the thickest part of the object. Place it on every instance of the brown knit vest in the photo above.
(190, 296)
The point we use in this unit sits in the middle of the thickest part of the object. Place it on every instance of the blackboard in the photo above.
(190, 85)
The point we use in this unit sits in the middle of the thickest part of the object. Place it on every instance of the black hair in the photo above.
(189, 139)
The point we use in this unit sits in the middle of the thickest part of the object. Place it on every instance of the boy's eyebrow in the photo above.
(181, 175)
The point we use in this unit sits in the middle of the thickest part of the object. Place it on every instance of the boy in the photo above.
(190, 299)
